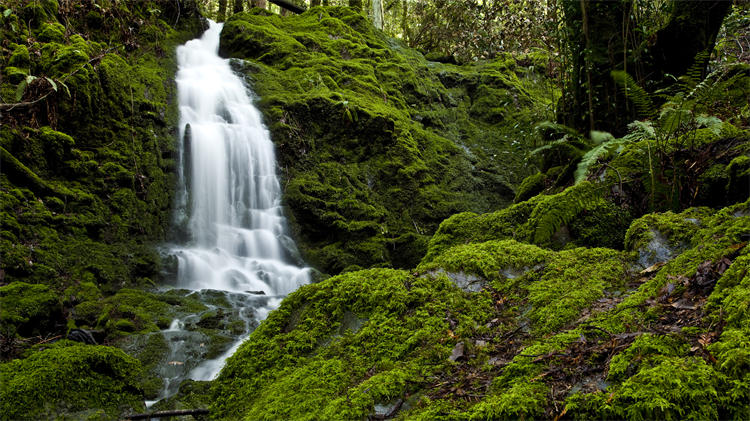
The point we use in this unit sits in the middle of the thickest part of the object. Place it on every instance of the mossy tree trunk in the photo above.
(692, 29)
(601, 39)
(258, 3)
(222, 10)
(238, 6)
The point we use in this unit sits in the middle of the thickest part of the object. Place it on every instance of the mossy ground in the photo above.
(85, 193)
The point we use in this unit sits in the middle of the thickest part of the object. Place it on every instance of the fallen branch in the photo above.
(288, 6)
(161, 414)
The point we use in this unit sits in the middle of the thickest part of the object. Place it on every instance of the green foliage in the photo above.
(530, 187)
(312, 346)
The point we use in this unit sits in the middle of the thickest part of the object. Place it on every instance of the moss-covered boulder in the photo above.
(29, 310)
(70, 380)
(504, 329)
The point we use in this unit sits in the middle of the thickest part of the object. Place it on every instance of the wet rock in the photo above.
(82, 335)
(657, 250)
(467, 282)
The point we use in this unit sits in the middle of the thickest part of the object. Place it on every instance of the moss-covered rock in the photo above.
(540, 331)
(70, 380)
(29, 310)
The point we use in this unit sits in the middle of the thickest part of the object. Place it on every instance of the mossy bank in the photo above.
(376, 144)
(87, 151)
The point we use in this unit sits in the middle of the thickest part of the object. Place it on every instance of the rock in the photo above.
(458, 352)
(82, 335)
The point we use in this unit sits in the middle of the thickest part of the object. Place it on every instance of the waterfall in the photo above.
(229, 196)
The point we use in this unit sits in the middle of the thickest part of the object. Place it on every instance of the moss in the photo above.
(530, 187)
(20, 57)
(301, 347)
(28, 310)
(660, 236)
(58, 382)
(556, 287)
(738, 186)
(51, 32)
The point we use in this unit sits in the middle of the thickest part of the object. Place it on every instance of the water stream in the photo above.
(229, 206)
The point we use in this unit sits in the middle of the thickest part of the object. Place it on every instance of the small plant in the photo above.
(672, 127)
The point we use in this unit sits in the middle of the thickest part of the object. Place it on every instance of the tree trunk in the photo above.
(238, 6)
(258, 3)
(591, 99)
(314, 3)
(692, 29)
(377, 14)
(222, 15)
(405, 21)
(597, 32)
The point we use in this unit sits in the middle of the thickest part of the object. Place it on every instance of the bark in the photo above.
(591, 99)
(692, 29)
(377, 14)
(238, 6)
(288, 6)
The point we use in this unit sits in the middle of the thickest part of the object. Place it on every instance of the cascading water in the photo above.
(229, 200)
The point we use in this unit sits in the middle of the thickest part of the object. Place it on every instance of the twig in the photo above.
(161, 414)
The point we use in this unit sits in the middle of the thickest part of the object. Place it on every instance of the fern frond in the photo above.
(640, 98)
(560, 209)
(613, 146)
(549, 146)
(640, 130)
(549, 131)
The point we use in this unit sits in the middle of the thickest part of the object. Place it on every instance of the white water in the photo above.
(229, 197)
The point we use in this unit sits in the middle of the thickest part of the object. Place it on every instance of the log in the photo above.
(174, 413)
(289, 6)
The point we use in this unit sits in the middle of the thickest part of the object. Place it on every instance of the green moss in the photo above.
(51, 32)
(302, 348)
(20, 57)
(60, 381)
(556, 287)
(679, 229)
(738, 186)
(530, 187)
(28, 310)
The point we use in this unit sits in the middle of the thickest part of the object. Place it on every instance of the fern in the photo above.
(640, 98)
(592, 156)
(560, 209)
(548, 146)
(641, 130)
